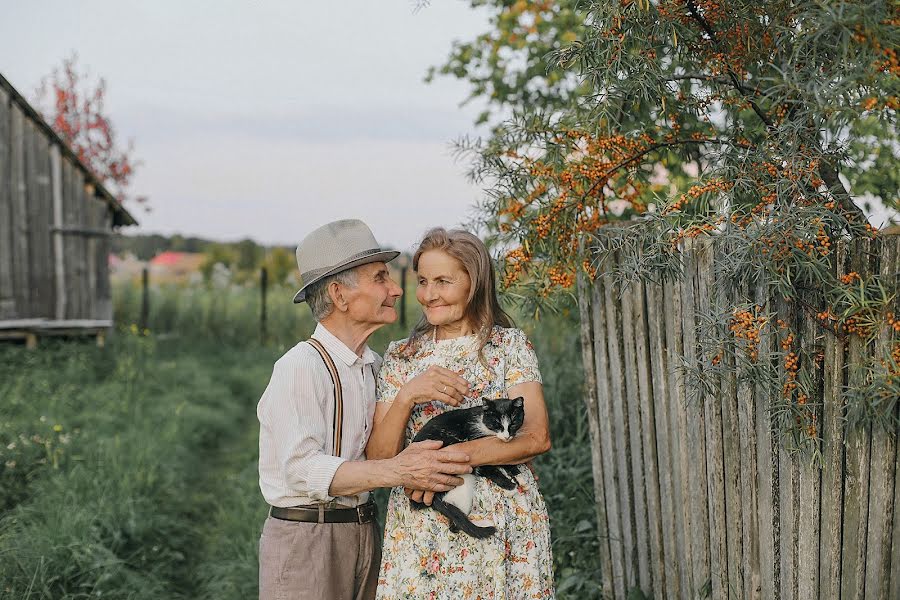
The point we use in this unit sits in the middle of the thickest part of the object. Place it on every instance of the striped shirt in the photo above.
(296, 413)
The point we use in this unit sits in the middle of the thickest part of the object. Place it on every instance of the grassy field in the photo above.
(130, 471)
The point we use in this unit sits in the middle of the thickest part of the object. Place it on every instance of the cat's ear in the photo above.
(487, 402)
(518, 402)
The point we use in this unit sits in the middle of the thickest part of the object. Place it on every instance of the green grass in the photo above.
(110, 460)
(148, 487)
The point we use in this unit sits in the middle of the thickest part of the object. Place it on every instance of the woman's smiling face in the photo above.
(443, 288)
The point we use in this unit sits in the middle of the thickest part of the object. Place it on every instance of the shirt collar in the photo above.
(339, 350)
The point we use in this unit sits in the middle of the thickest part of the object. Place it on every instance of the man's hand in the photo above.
(435, 383)
(423, 466)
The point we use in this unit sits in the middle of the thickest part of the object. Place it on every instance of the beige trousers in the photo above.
(318, 561)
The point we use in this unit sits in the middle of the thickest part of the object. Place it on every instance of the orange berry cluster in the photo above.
(692, 231)
(745, 325)
(695, 191)
(826, 315)
(588, 268)
(850, 278)
(559, 277)
(893, 322)
(791, 366)
(895, 359)
(515, 264)
(858, 326)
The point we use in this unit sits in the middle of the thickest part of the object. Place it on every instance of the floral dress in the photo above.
(421, 557)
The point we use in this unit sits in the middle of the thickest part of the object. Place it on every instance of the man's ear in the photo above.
(336, 293)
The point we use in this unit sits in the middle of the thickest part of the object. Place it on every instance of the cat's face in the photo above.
(504, 416)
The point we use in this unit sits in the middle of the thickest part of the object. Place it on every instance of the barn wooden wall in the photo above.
(54, 232)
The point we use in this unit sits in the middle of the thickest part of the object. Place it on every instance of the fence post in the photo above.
(403, 297)
(263, 284)
(145, 299)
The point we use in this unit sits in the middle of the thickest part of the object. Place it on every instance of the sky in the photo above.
(268, 119)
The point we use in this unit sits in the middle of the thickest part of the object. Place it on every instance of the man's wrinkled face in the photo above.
(373, 298)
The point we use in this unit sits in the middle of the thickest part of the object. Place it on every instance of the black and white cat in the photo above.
(502, 418)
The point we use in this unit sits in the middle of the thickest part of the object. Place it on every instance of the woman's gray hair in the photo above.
(317, 297)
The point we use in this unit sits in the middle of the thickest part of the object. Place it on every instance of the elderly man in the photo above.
(319, 542)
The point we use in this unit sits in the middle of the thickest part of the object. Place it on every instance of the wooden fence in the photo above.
(702, 499)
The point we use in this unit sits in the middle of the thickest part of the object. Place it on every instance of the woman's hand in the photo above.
(435, 383)
(421, 496)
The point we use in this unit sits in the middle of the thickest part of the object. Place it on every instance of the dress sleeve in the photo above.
(521, 361)
(391, 375)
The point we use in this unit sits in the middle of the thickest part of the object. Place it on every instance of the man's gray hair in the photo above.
(317, 296)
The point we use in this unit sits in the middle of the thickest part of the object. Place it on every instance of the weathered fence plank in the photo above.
(788, 484)
(658, 360)
(677, 427)
(695, 437)
(883, 457)
(648, 439)
(712, 416)
(592, 370)
(605, 401)
(620, 427)
(810, 477)
(731, 456)
(856, 476)
(635, 435)
(749, 467)
(894, 572)
(832, 458)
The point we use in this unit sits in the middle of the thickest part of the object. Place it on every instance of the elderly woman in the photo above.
(464, 349)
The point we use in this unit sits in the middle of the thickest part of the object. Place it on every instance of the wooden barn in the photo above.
(56, 220)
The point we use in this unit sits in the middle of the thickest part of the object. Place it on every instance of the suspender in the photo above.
(338, 395)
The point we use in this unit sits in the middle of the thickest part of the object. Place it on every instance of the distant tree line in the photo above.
(243, 258)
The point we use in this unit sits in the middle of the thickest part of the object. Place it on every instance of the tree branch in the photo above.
(836, 187)
(704, 24)
(622, 164)
(721, 80)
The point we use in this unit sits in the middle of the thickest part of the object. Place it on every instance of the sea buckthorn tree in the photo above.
(760, 125)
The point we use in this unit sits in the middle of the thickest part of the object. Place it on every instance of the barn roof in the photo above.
(120, 215)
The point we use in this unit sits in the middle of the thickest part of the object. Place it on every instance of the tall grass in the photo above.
(107, 458)
(149, 487)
